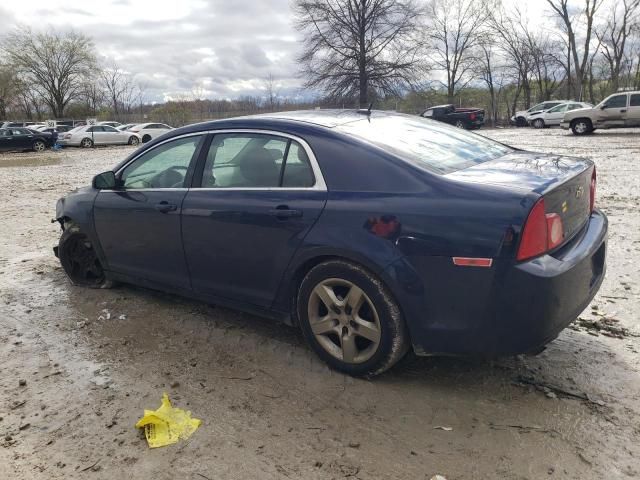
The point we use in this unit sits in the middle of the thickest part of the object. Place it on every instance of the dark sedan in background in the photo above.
(373, 232)
(20, 139)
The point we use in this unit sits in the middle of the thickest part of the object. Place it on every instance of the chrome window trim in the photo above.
(319, 185)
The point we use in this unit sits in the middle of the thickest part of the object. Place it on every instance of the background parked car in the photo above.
(522, 117)
(20, 139)
(149, 131)
(49, 137)
(125, 127)
(110, 124)
(554, 116)
(88, 136)
(620, 110)
(467, 118)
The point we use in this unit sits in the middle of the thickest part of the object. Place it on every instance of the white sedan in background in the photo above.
(149, 131)
(553, 116)
(88, 136)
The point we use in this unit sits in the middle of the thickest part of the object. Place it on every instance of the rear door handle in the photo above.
(165, 207)
(623, 111)
(283, 212)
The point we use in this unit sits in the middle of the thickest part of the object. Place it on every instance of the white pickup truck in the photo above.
(620, 110)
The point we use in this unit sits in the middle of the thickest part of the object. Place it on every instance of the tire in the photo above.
(86, 143)
(79, 259)
(521, 122)
(39, 146)
(362, 343)
(461, 124)
(134, 141)
(582, 126)
(538, 123)
(146, 138)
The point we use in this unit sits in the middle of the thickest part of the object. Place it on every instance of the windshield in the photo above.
(433, 145)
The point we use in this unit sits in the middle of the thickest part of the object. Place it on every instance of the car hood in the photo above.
(578, 113)
(537, 172)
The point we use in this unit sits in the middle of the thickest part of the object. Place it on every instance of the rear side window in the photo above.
(431, 145)
(244, 160)
(428, 113)
(635, 100)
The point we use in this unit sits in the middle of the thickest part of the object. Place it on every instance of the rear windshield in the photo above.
(433, 145)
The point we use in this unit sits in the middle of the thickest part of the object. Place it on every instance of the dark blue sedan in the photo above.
(373, 232)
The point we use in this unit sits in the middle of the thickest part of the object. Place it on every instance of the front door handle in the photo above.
(282, 212)
(623, 111)
(166, 207)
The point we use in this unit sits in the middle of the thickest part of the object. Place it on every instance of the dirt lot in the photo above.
(93, 360)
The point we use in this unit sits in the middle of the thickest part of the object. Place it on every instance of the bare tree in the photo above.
(119, 88)
(615, 35)
(569, 22)
(359, 47)
(8, 89)
(455, 30)
(271, 91)
(54, 63)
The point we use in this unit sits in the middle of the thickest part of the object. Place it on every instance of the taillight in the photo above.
(542, 232)
(592, 191)
(472, 116)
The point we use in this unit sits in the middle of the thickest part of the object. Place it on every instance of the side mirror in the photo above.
(105, 181)
(603, 106)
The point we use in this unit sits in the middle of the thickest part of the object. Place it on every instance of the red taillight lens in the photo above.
(472, 116)
(542, 231)
(592, 191)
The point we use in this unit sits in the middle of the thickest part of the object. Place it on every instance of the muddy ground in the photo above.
(79, 366)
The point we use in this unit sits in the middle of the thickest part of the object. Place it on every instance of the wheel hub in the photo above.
(344, 320)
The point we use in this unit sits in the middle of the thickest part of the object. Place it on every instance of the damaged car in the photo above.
(375, 233)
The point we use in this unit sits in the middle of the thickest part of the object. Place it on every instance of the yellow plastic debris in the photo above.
(167, 425)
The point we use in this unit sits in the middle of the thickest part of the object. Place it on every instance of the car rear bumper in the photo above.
(503, 310)
(565, 125)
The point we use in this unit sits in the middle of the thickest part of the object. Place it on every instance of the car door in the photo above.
(112, 135)
(6, 140)
(555, 115)
(138, 225)
(98, 135)
(255, 197)
(613, 111)
(22, 138)
(633, 114)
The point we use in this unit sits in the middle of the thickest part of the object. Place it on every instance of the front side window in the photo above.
(617, 101)
(559, 108)
(107, 128)
(163, 167)
(248, 160)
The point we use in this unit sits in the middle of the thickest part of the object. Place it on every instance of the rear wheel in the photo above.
(350, 319)
(582, 127)
(538, 123)
(39, 146)
(80, 260)
(134, 141)
(146, 138)
(86, 143)
(460, 124)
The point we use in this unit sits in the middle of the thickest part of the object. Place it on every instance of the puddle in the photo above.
(39, 161)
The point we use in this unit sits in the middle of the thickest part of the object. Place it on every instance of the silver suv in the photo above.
(620, 110)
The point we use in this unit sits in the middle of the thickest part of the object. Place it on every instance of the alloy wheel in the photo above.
(344, 320)
(460, 124)
(39, 146)
(86, 143)
(538, 123)
(581, 127)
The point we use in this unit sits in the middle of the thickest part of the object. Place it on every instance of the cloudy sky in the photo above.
(223, 48)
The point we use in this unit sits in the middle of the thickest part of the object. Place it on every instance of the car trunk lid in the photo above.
(563, 182)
